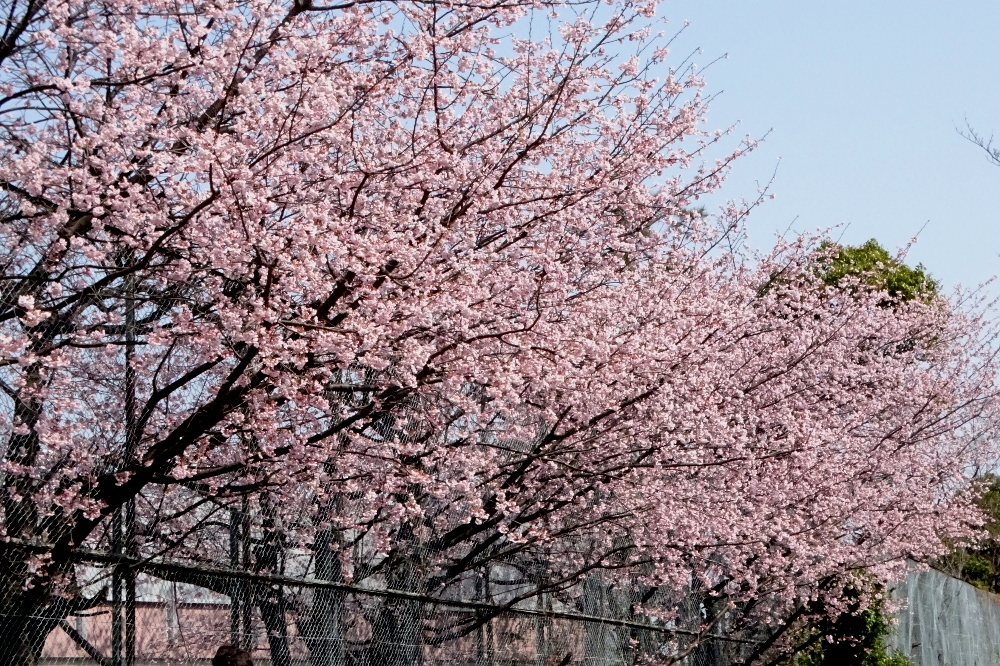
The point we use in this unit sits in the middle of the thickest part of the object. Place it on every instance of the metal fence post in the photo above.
(131, 446)
(236, 595)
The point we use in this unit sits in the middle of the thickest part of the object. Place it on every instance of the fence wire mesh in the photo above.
(144, 613)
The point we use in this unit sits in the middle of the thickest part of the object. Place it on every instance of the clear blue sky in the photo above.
(864, 98)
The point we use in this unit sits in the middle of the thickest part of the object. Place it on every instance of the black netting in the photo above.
(171, 614)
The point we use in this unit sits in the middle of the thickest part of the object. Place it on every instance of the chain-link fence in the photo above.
(166, 613)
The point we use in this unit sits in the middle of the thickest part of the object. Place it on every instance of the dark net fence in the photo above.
(165, 614)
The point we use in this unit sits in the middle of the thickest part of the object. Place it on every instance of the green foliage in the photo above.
(868, 266)
(979, 571)
(854, 638)
(872, 265)
(989, 502)
(980, 565)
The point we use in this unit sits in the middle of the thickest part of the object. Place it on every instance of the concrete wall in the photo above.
(946, 622)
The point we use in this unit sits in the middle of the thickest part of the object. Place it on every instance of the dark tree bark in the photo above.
(325, 628)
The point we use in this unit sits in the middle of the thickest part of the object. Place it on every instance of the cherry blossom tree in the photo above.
(420, 284)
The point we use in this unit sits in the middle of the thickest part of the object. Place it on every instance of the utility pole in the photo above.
(236, 597)
(123, 522)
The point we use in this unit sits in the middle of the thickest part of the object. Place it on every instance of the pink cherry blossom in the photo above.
(397, 273)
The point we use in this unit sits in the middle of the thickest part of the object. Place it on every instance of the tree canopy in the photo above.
(394, 283)
(875, 267)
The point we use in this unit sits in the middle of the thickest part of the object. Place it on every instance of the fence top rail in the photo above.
(86, 555)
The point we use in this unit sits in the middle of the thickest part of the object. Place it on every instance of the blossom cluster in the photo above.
(395, 270)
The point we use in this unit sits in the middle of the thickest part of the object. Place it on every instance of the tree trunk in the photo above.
(396, 639)
(604, 645)
(325, 635)
(271, 598)
(397, 627)
(26, 616)
(271, 602)
(23, 638)
(23, 621)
